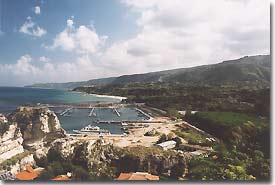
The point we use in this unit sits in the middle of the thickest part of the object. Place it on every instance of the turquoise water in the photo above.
(12, 97)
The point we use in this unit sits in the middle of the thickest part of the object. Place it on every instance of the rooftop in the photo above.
(61, 178)
(28, 174)
(137, 176)
(167, 143)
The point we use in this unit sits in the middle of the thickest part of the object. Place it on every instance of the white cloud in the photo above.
(83, 39)
(44, 59)
(184, 33)
(37, 10)
(26, 71)
(70, 23)
(172, 34)
(30, 28)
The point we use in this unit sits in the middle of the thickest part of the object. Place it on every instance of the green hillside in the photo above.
(246, 69)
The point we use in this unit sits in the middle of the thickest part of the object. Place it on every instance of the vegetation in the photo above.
(229, 165)
(249, 98)
(243, 155)
(243, 70)
(55, 164)
(5, 165)
(4, 127)
(232, 128)
(192, 137)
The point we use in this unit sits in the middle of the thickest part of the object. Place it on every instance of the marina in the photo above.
(111, 118)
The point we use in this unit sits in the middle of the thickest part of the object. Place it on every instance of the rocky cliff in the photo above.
(13, 157)
(39, 127)
(10, 139)
(108, 161)
(27, 132)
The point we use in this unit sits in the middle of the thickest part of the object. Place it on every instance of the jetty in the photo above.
(116, 111)
(65, 111)
(91, 113)
(145, 114)
(109, 122)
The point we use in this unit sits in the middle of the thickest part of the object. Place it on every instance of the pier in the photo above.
(65, 111)
(109, 122)
(145, 114)
(92, 111)
(115, 110)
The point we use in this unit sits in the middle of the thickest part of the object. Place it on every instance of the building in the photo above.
(28, 174)
(61, 178)
(167, 145)
(143, 176)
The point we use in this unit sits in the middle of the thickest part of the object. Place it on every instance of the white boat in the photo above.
(91, 130)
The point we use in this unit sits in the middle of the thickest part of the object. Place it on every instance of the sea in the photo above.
(75, 119)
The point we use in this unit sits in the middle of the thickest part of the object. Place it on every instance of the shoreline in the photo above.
(109, 96)
(70, 90)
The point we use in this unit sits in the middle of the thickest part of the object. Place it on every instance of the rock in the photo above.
(65, 146)
(105, 159)
(39, 127)
(151, 132)
(22, 163)
(10, 141)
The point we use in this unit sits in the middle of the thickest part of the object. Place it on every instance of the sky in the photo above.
(68, 40)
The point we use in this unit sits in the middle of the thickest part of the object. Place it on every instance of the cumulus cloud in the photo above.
(37, 10)
(30, 28)
(44, 59)
(70, 23)
(19, 72)
(172, 34)
(83, 39)
(27, 71)
(184, 33)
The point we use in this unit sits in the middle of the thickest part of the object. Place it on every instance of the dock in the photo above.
(109, 122)
(65, 111)
(92, 111)
(145, 114)
(115, 110)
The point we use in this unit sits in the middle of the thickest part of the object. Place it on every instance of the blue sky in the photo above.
(70, 40)
(107, 16)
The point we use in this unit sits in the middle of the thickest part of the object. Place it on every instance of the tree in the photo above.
(54, 155)
(259, 166)
(57, 168)
(46, 174)
(42, 162)
(178, 170)
(80, 156)
(162, 138)
(178, 141)
(80, 173)
(172, 112)
(236, 173)
(129, 163)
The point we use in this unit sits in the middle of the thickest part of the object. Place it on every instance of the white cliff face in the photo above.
(10, 142)
(36, 123)
(27, 132)
(46, 118)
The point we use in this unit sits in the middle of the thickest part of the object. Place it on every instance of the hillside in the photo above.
(72, 85)
(254, 68)
(246, 69)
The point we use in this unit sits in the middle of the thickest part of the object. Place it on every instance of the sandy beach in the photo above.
(107, 96)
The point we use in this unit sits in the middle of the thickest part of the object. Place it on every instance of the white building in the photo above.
(167, 145)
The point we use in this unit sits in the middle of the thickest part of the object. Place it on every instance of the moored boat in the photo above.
(92, 130)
